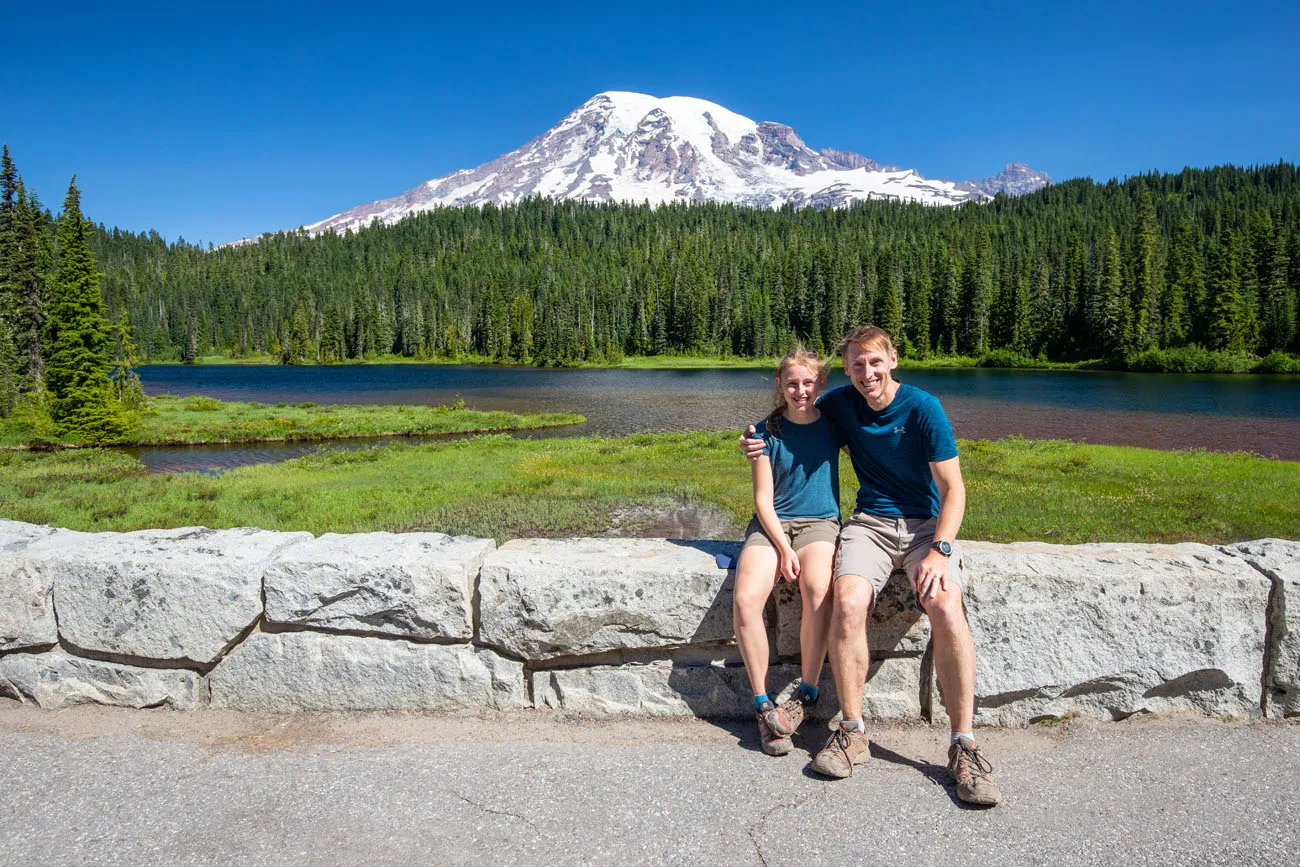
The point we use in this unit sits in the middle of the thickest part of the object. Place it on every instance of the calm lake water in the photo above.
(1168, 411)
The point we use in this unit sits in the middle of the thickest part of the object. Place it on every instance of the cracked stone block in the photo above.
(896, 625)
(543, 598)
(1279, 561)
(409, 585)
(57, 679)
(1108, 630)
(27, 586)
(180, 596)
(292, 671)
(667, 688)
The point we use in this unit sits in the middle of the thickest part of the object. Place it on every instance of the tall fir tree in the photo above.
(1277, 304)
(1108, 312)
(10, 366)
(1144, 330)
(30, 259)
(82, 400)
(1233, 328)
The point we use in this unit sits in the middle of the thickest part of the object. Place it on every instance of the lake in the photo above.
(1169, 411)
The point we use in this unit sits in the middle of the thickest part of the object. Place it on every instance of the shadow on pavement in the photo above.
(937, 774)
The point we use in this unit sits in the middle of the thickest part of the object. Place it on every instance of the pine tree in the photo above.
(10, 367)
(889, 303)
(947, 307)
(1233, 327)
(82, 402)
(190, 348)
(1107, 311)
(31, 255)
(1144, 332)
(1046, 310)
(977, 296)
(127, 387)
(1277, 306)
(297, 347)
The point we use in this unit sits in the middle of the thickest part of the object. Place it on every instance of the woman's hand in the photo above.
(789, 564)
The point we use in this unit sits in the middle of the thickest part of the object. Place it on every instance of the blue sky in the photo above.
(215, 122)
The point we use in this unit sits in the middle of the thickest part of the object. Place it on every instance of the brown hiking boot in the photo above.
(844, 750)
(973, 775)
(777, 719)
(793, 708)
(773, 743)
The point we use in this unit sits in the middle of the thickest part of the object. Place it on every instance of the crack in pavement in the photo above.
(755, 829)
(486, 809)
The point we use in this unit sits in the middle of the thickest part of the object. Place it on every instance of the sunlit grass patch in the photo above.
(501, 487)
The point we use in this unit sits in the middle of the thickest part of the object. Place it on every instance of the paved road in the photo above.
(107, 787)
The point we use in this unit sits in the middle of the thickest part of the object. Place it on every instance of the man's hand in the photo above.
(930, 576)
(750, 446)
(789, 564)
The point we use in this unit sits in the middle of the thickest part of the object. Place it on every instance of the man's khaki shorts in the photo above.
(799, 531)
(873, 547)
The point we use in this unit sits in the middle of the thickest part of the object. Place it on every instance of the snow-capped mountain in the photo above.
(620, 146)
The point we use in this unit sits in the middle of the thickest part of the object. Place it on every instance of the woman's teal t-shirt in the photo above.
(805, 468)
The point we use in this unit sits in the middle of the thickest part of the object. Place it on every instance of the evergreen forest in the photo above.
(1158, 271)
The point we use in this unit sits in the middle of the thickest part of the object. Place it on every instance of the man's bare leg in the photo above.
(850, 657)
(954, 656)
(848, 641)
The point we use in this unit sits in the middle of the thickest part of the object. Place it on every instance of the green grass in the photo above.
(504, 488)
(198, 419)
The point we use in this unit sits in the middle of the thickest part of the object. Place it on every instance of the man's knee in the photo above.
(945, 609)
(853, 596)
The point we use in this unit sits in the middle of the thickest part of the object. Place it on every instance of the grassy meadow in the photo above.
(501, 487)
(198, 419)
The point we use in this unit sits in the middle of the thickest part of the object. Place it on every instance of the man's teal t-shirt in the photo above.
(892, 449)
(805, 468)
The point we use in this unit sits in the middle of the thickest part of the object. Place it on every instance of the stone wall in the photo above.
(264, 621)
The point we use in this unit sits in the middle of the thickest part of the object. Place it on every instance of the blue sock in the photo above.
(810, 691)
(759, 699)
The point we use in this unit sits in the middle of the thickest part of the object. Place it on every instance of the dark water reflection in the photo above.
(1222, 413)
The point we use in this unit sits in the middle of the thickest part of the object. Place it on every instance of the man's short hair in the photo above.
(867, 337)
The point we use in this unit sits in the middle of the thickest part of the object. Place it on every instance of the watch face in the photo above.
(943, 548)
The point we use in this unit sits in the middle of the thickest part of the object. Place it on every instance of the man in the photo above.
(911, 500)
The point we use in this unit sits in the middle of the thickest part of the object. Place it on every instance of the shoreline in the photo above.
(673, 362)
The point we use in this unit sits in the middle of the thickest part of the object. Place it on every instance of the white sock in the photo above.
(957, 736)
(851, 724)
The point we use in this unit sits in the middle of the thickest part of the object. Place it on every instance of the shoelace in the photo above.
(840, 738)
(980, 766)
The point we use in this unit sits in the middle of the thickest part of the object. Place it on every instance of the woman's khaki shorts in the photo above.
(874, 547)
(799, 531)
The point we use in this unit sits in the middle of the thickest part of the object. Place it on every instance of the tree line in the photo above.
(1209, 258)
(1160, 263)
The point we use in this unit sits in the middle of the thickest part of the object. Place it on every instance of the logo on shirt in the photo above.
(900, 429)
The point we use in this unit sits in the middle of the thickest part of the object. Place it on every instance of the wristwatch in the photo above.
(944, 548)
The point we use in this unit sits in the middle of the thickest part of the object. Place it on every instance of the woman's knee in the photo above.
(749, 600)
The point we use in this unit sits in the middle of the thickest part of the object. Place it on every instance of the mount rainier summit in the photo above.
(631, 147)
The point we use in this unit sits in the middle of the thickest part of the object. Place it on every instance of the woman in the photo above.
(792, 536)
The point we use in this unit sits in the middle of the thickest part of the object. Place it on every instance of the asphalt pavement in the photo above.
(154, 787)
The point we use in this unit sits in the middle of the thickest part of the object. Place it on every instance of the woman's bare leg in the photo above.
(755, 578)
(815, 563)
